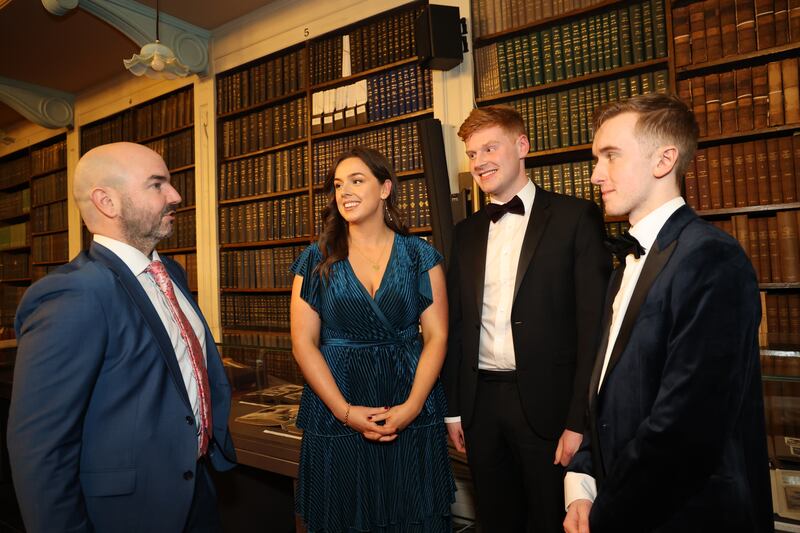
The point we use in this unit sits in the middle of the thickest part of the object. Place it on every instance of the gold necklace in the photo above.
(376, 265)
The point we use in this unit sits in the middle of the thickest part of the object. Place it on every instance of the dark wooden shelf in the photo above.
(557, 151)
(371, 125)
(273, 290)
(745, 135)
(10, 219)
(420, 229)
(48, 172)
(544, 22)
(16, 248)
(777, 286)
(181, 169)
(738, 59)
(16, 280)
(50, 263)
(279, 333)
(579, 80)
(274, 148)
(183, 250)
(16, 186)
(48, 202)
(363, 74)
(185, 208)
(305, 239)
(615, 219)
(265, 196)
(410, 173)
(769, 208)
(261, 105)
(48, 232)
(164, 134)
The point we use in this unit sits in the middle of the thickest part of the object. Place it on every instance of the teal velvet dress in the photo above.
(372, 346)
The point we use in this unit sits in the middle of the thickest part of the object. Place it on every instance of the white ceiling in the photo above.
(77, 51)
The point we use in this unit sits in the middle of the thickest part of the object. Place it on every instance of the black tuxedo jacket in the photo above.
(555, 318)
(676, 439)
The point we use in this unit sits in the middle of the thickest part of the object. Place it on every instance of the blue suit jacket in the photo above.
(101, 433)
(677, 439)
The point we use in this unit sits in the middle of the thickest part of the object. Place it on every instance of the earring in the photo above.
(386, 212)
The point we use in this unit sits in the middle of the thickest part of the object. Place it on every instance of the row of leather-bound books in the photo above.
(49, 188)
(387, 40)
(262, 82)
(49, 217)
(615, 38)
(10, 296)
(46, 248)
(49, 158)
(264, 220)
(714, 29)
(137, 124)
(562, 119)
(176, 150)
(255, 311)
(271, 172)
(189, 263)
(264, 128)
(15, 204)
(262, 268)
(572, 179)
(771, 242)
(399, 143)
(494, 16)
(744, 99)
(14, 266)
(759, 172)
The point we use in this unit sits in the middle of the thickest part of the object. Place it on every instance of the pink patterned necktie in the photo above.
(159, 274)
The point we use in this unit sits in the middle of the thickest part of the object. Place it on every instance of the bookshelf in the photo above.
(283, 119)
(33, 221)
(166, 125)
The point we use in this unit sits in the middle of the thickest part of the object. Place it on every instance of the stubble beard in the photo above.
(142, 233)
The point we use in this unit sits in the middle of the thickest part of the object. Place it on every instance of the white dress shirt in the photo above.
(137, 262)
(582, 486)
(503, 247)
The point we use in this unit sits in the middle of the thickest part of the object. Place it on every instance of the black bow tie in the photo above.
(496, 211)
(624, 244)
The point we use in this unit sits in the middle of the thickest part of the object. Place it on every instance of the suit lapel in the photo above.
(537, 223)
(613, 287)
(140, 299)
(654, 263)
(476, 243)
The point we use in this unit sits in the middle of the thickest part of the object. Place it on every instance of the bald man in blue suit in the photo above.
(104, 429)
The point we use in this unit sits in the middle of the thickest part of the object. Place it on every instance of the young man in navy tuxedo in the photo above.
(526, 283)
(120, 401)
(676, 439)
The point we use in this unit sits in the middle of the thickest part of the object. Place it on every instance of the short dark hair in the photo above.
(661, 119)
(495, 115)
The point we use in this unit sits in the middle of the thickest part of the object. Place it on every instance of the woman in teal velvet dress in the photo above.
(374, 451)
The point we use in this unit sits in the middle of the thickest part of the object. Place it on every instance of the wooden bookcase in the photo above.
(33, 221)
(165, 124)
(281, 126)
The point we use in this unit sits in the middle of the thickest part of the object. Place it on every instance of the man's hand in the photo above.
(456, 433)
(577, 520)
(568, 444)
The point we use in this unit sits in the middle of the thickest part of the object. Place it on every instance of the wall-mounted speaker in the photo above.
(438, 33)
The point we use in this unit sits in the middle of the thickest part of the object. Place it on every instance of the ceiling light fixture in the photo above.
(156, 61)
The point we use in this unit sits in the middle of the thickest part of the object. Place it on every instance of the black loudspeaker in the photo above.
(438, 33)
(438, 184)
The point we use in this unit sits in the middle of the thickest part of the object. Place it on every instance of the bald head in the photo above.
(123, 191)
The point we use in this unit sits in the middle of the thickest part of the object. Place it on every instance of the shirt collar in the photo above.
(526, 194)
(647, 229)
(134, 259)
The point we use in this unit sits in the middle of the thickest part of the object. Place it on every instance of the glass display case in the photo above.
(266, 388)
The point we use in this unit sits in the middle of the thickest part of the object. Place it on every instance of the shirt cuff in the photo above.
(579, 486)
(452, 419)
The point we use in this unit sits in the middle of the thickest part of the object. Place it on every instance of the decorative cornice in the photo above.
(41, 105)
(138, 22)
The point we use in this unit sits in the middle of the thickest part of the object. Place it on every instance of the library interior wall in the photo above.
(272, 28)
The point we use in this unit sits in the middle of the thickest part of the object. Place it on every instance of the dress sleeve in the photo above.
(427, 258)
(304, 266)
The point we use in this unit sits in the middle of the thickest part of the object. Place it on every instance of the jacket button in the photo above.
(188, 475)
(190, 420)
